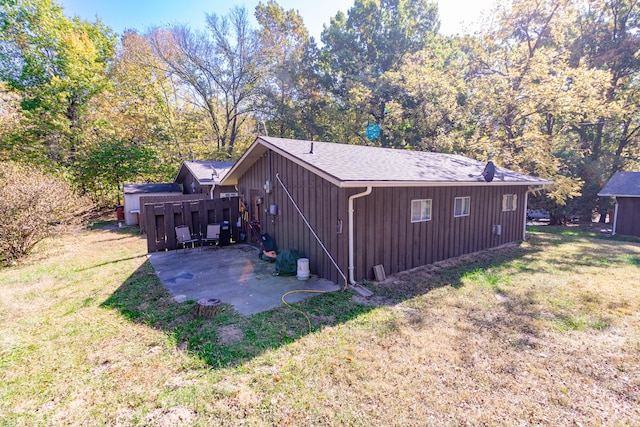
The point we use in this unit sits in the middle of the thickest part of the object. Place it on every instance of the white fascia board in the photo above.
(619, 195)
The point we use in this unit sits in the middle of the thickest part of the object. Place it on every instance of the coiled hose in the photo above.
(298, 310)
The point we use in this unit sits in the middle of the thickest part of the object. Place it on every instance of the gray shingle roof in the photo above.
(622, 184)
(356, 165)
(152, 188)
(203, 170)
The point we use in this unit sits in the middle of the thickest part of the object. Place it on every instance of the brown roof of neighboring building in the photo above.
(203, 171)
(622, 184)
(357, 166)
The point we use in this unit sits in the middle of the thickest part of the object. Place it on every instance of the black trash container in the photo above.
(225, 234)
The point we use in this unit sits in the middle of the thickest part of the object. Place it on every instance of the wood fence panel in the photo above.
(150, 200)
(171, 220)
(156, 239)
(196, 214)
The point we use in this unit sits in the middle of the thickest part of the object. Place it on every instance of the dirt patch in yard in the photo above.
(373, 301)
(322, 320)
(176, 416)
(230, 334)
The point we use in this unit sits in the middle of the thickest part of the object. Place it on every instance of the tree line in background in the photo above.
(547, 87)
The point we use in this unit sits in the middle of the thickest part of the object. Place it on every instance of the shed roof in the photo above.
(622, 184)
(206, 172)
(163, 187)
(351, 166)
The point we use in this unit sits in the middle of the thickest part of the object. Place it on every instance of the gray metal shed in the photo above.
(133, 192)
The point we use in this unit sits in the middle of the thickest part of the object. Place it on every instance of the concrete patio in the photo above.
(232, 274)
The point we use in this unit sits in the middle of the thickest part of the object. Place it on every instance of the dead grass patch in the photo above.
(172, 417)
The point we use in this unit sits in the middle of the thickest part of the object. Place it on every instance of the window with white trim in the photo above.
(509, 202)
(461, 206)
(421, 210)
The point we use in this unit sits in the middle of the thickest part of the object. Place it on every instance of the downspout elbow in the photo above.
(615, 217)
(526, 207)
(368, 191)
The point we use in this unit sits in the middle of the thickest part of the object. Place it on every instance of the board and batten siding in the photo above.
(322, 203)
(628, 221)
(384, 233)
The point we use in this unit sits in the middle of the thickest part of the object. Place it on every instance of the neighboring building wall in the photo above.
(384, 232)
(190, 185)
(132, 202)
(203, 189)
(628, 222)
(225, 189)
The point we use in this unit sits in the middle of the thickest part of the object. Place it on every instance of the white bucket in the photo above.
(303, 268)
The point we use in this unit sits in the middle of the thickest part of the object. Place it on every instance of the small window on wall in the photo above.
(421, 210)
(509, 202)
(461, 206)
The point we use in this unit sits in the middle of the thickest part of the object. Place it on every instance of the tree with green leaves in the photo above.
(429, 90)
(56, 65)
(609, 40)
(525, 94)
(144, 107)
(104, 168)
(289, 90)
(360, 47)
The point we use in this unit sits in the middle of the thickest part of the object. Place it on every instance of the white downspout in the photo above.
(524, 223)
(526, 208)
(352, 280)
(615, 217)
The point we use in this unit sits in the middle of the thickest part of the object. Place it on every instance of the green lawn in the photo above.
(546, 332)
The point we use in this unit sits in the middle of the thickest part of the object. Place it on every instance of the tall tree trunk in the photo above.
(74, 128)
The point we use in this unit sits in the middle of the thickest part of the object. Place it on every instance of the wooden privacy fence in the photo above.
(162, 218)
(145, 200)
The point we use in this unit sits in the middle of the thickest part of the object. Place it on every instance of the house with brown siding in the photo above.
(349, 208)
(204, 177)
(624, 187)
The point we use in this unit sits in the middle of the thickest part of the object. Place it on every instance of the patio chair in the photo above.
(213, 234)
(183, 237)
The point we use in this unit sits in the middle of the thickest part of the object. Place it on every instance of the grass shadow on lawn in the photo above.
(231, 338)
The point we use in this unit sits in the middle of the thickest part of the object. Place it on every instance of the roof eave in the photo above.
(617, 195)
(182, 165)
(231, 178)
(185, 166)
(396, 184)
